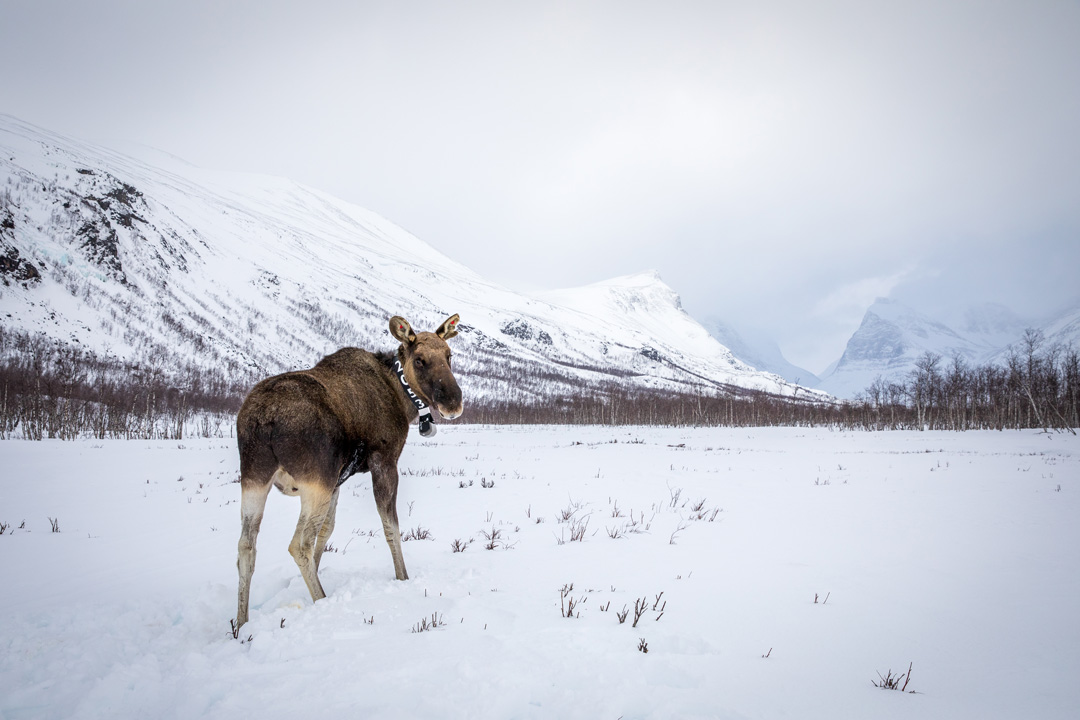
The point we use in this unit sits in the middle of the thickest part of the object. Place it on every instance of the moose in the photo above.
(308, 431)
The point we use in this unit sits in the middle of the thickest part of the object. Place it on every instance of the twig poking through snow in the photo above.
(679, 529)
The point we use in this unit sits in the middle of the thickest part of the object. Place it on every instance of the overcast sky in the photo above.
(781, 164)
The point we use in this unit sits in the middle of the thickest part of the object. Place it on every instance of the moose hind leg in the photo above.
(327, 528)
(384, 483)
(252, 503)
(315, 501)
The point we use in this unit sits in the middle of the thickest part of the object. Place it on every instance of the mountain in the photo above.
(760, 352)
(892, 336)
(1063, 329)
(992, 325)
(159, 263)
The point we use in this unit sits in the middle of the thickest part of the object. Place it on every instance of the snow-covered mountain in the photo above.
(893, 336)
(759, 351)
(1063, 329)
(991, 325)
(156, 260)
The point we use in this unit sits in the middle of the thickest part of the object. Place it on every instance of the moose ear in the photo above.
(400, 328)
(449, 327)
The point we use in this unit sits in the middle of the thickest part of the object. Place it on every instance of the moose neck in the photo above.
(427, 427)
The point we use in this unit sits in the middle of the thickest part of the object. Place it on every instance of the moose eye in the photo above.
(418, 362)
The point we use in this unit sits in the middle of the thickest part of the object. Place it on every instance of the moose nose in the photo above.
(448, 415)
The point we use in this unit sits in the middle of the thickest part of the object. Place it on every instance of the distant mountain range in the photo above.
(157, 261)
(893, 336)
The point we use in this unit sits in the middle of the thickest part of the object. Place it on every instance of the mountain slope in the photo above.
(1061, 331)
(759, 352)
(157, 262)
(1064, 329)
(991, 325)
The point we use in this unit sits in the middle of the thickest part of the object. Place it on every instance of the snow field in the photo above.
(957, 553)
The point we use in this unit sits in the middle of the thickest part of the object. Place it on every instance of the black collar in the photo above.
(427, 427)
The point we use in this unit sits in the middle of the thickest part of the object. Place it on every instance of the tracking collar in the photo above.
(427, 427)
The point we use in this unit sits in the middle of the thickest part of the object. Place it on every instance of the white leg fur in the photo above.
(315, 501)
(327, 529)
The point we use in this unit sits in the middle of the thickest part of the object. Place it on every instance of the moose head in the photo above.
(425, 358)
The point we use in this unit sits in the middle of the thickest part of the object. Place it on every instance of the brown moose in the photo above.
(307, 431)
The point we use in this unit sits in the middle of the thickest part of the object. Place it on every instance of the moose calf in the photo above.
(306, 432)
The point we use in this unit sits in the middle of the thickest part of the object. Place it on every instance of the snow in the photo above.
(957, 553)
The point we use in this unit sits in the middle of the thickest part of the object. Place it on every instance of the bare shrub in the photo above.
(424, 625)
(577, 527)
(568, 512)
(494, 538)
(892, 682)
(567, 602)
(417, 533)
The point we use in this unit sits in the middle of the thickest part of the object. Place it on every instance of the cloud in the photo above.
(849, 301)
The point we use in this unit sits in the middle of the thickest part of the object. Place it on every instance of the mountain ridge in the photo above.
(759, 351)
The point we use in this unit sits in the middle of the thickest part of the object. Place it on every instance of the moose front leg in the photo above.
(384, 483)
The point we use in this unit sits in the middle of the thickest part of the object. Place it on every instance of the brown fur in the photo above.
(306, 432)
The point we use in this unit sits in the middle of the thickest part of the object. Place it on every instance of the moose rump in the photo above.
(307, 441)
(306, 432)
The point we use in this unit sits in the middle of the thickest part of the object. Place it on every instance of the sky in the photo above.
(781, 164)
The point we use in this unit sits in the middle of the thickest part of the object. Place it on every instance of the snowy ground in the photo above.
(957, 553)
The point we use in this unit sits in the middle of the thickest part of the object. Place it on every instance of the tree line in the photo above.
(1036, 386)
(617, 404)
(52, 390)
